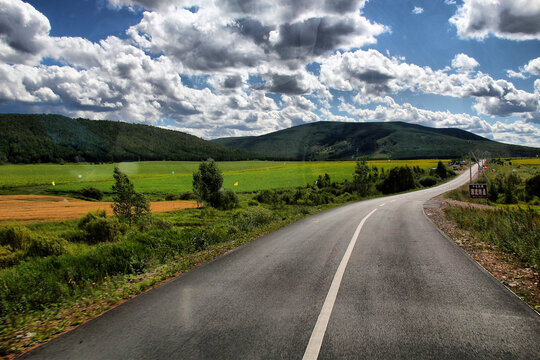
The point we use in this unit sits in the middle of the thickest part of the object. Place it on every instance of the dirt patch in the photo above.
(41, 208)
(521, 280)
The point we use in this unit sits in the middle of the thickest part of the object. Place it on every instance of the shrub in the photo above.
(91, 193)
(188, 195)
(15, 236)
(102, 230)
(202, 238)
(90, 216)
(441, 170)
(171, 197)
(252, 218)
(428, 181)
(227, 200)
(265, 196)
(46, 247)
(399, 179)
(96, 227)
(532, 186)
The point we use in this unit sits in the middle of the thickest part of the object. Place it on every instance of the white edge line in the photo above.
(316, 339)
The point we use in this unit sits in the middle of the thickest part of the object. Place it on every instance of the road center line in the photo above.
(382, 204)
(315, 342)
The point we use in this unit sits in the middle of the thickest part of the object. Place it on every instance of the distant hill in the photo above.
(27, 138)
(385, 140)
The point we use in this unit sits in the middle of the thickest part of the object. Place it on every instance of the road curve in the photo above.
(405, 292)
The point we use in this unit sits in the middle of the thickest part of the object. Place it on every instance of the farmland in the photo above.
(42, 208)
(164, 177)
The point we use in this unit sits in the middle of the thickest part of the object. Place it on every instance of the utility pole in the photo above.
(470, 169)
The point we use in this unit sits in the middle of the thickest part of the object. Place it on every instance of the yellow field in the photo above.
(37, 208)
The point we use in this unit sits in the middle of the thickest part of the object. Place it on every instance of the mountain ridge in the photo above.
(51, 138)
(328, 140)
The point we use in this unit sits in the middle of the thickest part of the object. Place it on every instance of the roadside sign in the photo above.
(478, 191)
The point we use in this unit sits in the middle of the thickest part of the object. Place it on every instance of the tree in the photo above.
(362, 180)
(323, 181)
(128, 204)
(207, 183)
(399, 179)
(532, 186)
(441, 170)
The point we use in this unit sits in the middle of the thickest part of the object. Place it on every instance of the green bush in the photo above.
(398, 179)
(171, 197)
(532, 186)
(46, 247)
(188, 195)
(90, 216)
(251, 218)
(227, 200)
(96, 228)
(102, 230)
(428, 181)
(8, 257)
(266, 196)
(15, 236)
(91, 193)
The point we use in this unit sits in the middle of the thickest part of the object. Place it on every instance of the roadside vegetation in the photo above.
(507, 224)
(57, 275)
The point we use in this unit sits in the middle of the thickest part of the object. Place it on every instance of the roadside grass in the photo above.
(503, 237)
(45, 296)
(157, 178)
(513, 230)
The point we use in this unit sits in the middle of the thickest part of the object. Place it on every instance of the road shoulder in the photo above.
(523, 281)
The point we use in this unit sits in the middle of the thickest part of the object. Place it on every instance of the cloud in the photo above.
(417, 10)
(464, 63)
(531, 68)
(516, 132)
(24, 32)
(372, 75)
(317, 36)
(226, 37)
(507, 19)
(450, 2)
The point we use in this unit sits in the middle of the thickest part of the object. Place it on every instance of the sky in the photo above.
(220, 68)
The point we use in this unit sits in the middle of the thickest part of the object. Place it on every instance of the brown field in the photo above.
(39, 208)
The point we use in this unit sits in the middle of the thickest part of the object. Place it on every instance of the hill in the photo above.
(378, 140)
(28, 138)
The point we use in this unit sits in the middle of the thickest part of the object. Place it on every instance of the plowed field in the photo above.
(38, 208)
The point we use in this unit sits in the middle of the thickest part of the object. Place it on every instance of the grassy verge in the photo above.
(512, 230)
(42, 297)
(502, 233)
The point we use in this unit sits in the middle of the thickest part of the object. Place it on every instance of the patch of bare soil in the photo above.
(521, 280)
(41, 208)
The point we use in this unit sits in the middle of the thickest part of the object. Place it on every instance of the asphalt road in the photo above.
(399, 289)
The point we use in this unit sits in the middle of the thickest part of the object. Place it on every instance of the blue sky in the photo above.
(248, 67)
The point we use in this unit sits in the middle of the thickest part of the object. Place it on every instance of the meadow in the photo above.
(164, 177)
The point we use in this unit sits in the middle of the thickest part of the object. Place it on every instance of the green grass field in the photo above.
(163, 177)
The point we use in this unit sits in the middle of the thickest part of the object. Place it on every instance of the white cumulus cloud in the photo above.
(507, 19)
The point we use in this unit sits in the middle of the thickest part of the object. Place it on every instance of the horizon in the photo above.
(233, 69)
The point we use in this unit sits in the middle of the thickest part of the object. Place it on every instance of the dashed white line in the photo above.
(315, 342)
(382, 204)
